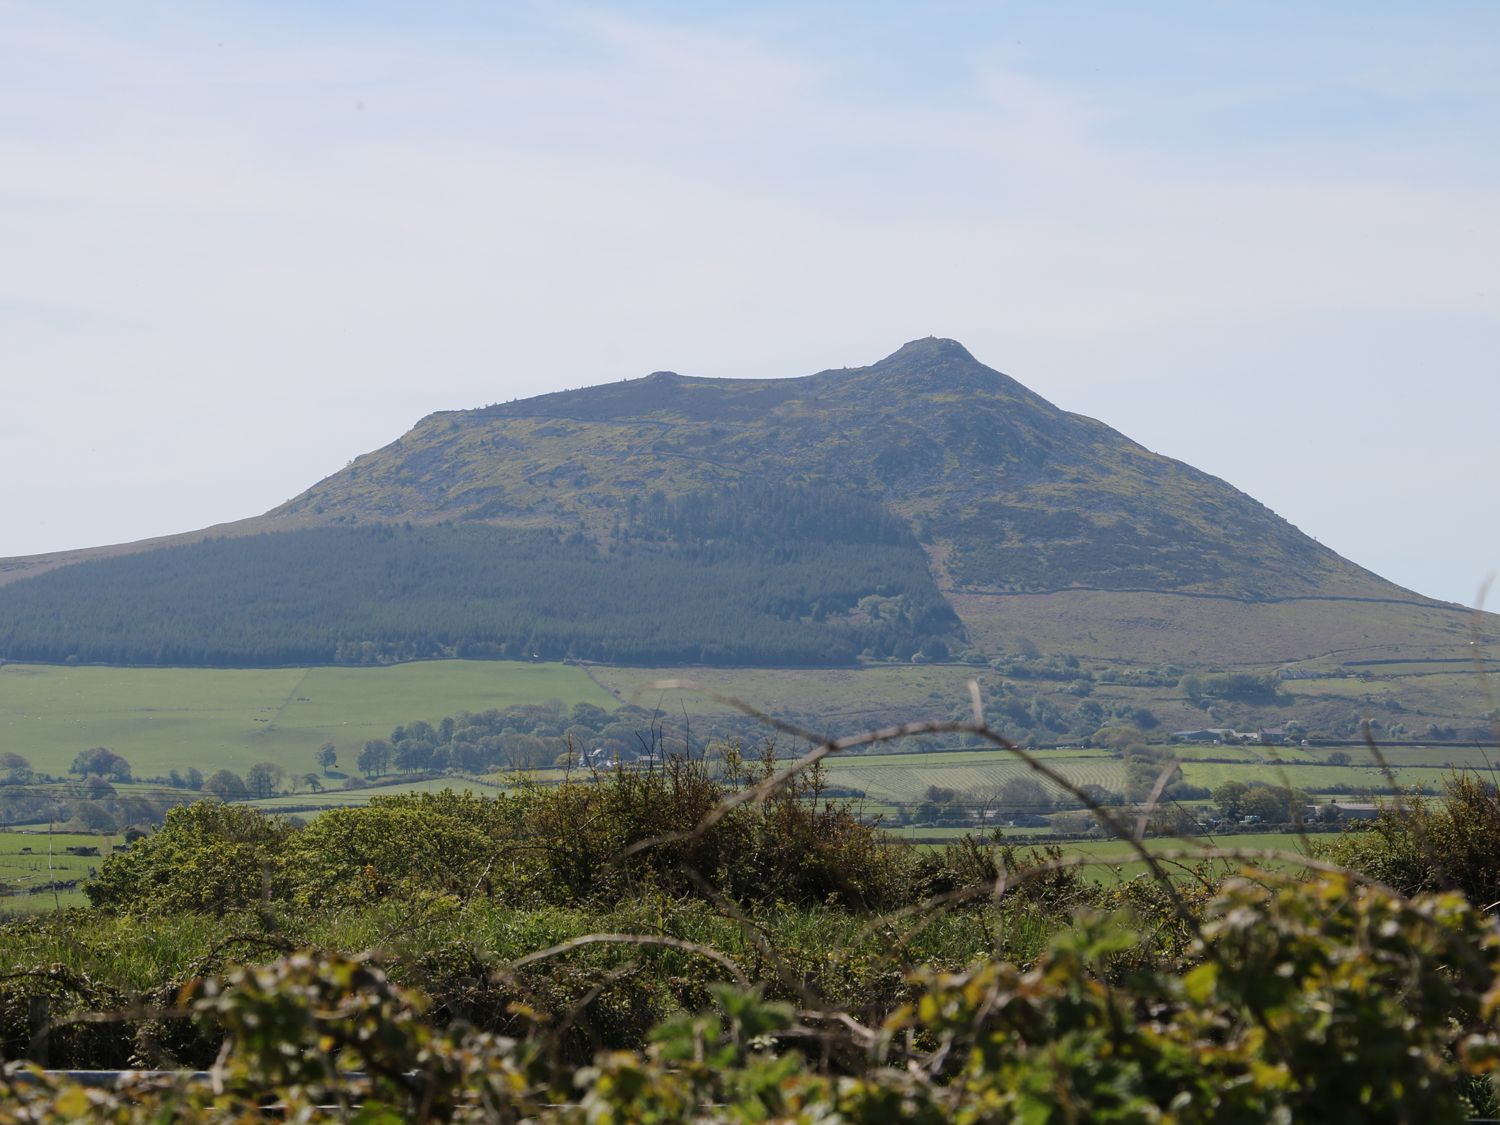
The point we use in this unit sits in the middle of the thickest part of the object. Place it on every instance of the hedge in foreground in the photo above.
(1321, 999)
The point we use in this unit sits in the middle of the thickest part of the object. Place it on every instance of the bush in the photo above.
(353, 855)
(580, 842)
(1306, 1000)
(205, 857)
(641, 828)
(1417, 846)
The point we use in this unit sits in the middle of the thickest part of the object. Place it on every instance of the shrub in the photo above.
(1418, 846)
(1306, 1000)
(205, 857)
(642, 828)
(352, 855)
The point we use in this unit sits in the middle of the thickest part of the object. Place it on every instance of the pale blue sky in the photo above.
(242, 243)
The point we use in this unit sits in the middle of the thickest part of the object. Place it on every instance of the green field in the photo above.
(1207, 633)
(1479, 758)
(166, 718)
(27, 871)
(1344, 779)
(1115, 862)
(870, 694)
(343, 798)
(1115, 859)
(843, 700)
(906, 777)
(161, 719)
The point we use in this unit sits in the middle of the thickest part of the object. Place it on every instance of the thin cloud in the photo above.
(274, 254)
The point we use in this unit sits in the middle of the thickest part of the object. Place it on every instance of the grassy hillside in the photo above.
(1404, 700)
(173, 718)
(1010, 492)
(1144, 628)
(904, 778)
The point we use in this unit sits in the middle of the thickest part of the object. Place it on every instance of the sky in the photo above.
(241, 244)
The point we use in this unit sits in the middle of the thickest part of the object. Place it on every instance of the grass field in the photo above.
(25, 864)
(166, 718)
(916, 691)
(344, 798)
(1114, 860)
(842, 699)
(1115, 863)
(1314, 777)
(906, 777)
(1481, 758)
(892, 780)
(161, 719)
(1217, 633)
(36, 702)
(948, 834)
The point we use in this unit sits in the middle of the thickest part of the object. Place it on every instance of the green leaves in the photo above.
(1318, 999)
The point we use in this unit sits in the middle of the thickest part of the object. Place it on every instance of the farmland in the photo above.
(901, 778)
(1115, 860)
(173, 718)
(1315, 778)
(343, 798)
(161, 719)
(839, 696)
(31, 860)
(1403, 698)
(164, 719)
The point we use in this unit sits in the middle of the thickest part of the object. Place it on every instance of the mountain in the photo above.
(925, 504)
(1008, 492)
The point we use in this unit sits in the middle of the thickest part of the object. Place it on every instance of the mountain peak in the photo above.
(937, 365)
(930, 349)
(1013, 494)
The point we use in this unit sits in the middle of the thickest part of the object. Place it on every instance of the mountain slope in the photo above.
(923, 504)
(1008, 492)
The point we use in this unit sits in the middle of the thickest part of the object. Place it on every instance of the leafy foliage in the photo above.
(746, 963)
(206, 857)
(101, 762)
(1419, 845)
(1308, 1000)
(564, 844)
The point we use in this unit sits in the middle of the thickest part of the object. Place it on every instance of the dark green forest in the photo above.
(745, 575)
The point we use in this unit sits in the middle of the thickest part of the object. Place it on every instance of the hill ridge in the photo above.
(927, 427)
